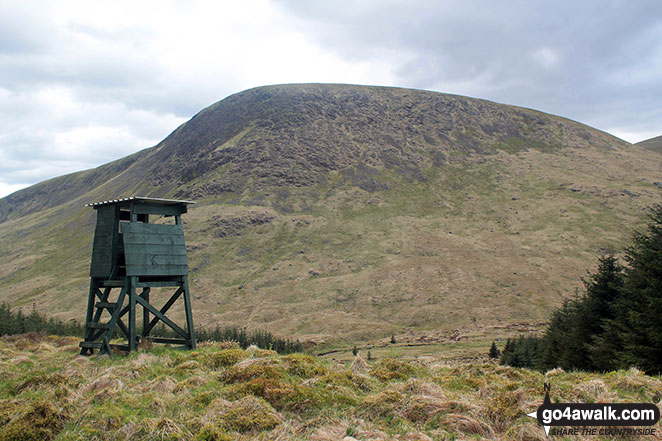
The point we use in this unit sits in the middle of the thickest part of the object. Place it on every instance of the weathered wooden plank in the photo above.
(91, 344)
(99, 272)
(153, 239)
(100, 269)
(102, 261)
(105, 237)
(140, 228)
(113, 283)
(106, 215)
(160, 249)
(158, 283)
(157, 270)
(156, 259)
(107, 305)
(172, 341)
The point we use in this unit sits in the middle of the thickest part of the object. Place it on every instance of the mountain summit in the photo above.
(295, 135)
(332, 211)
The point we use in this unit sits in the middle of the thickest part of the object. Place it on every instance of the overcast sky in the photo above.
(86, 82)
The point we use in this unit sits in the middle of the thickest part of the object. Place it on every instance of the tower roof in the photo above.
(140, 200)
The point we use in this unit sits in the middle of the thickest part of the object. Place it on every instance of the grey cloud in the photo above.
(593, 61)
(561, 57)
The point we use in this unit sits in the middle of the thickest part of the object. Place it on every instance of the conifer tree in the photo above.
(494, 351)
(556, 348)
(602, 342)
(639, 309)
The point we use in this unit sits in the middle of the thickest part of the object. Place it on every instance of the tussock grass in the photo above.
(221, 392)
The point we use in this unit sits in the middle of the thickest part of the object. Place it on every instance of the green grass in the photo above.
(47, 392)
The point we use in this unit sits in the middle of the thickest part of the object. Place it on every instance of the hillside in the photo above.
(654, 144)
(223, 393)
(351, 212)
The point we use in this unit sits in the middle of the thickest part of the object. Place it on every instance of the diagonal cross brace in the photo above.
(162, 317)
(163, 310)
(116, 314)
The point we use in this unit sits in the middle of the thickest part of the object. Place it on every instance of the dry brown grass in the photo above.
(288, 398)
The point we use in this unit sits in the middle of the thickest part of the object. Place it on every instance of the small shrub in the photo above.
(187, 365)
(502, 410)
(392, 369)
(39, 380)
(164, 429)
(209, 432)
(224, 358)
(249, 414)
(423, 408)
(39, 422)
(251, 369)
(304, 366)
(274, 391)
(385, 403)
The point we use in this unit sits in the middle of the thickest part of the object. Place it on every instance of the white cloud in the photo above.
(546, 57)
(83, 83)
(633, 137)
(6, 189)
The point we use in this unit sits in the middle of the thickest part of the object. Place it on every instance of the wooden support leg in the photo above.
(145, 330)
(91, 298)
(116, 315)
(189, 314)
(132, 314)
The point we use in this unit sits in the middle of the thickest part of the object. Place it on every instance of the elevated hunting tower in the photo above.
(131, 254)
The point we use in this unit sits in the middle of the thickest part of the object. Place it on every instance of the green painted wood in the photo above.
(162, 317)
(165, 308)
(132, 313)
(103, 296)
(113, 283)
(145, 295)
(123, 328)
(140, 228)
(189, 315)
(117, 313)
(106, 215)
(156, 259)
(91, 344)
(162, 249)
(153, 239)
(172, 341)
(107, 305)
(154, 250)
(157, 270)
(131, 255)
(159, 283)
(104, 248)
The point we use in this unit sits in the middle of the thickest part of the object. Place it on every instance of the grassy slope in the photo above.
(486, 242)
(354, 213)
(221, 393)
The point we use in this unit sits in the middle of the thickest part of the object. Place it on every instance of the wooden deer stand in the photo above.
(131, 254)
